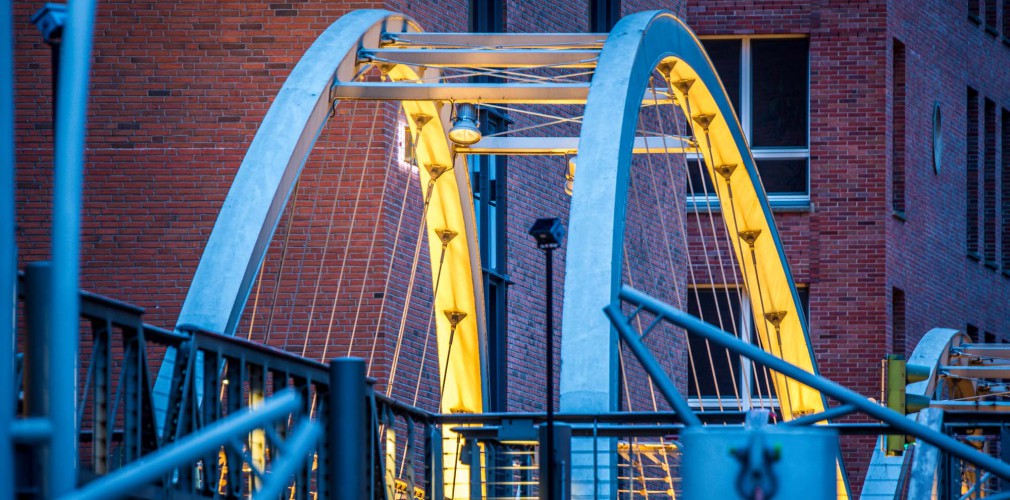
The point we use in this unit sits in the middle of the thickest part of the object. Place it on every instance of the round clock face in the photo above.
(937, 138)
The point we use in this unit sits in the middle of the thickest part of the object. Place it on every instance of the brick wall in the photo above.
(180, 89)
(933, 235)
(838, 247)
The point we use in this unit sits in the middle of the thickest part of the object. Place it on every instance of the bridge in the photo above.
(219, 406)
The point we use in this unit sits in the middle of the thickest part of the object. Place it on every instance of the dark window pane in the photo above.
(780, 72)
(474, 161)
(721, 309)
(725, 56)
(700, 183)
(783, 176)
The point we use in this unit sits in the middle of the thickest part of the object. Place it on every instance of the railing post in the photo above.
(433, 458)
(347, 430)
(38, 279)
(557, 483)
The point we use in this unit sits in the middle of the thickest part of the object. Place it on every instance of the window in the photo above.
(898, 130)
(603, 15)
(989, 186)
(723, 307)
(487, 180)
(972, 332)
(1005, 190)
(971, 168)
(1006, 21)
(898, 321)
(990, 17)
(487, 16)
(974, 10)
(768, 82)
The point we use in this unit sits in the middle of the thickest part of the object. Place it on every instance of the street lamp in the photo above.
(50, 20)
(548, 234)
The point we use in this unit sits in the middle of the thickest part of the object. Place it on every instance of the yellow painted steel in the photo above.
(450, 209)
(767, 283)
(777, 315)
(777, 321)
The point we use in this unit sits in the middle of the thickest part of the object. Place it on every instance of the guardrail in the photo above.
(245, 419)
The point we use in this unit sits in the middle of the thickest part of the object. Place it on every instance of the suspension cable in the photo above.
(326, 245)
(350, 229)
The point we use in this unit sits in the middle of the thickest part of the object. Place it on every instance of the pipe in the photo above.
(189, 449)
(8, 251)
(71, 127)
(297, 450)
(652, 367)
(828, 387)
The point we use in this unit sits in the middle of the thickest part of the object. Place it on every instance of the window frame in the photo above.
(494, 272)
(745, 115)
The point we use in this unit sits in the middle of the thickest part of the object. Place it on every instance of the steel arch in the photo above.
(264, 182)
(638, 45)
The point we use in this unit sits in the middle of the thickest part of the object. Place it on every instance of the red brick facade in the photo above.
(180, 88)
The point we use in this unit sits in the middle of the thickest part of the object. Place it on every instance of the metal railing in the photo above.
(217, 380)
(246, 419)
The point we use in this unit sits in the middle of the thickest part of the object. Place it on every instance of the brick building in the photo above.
(891, 188)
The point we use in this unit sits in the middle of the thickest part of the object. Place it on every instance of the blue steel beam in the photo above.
(651, 366)
(847, 396)
(71, 126)
(297, 452)
(8, 251)
(194, 446)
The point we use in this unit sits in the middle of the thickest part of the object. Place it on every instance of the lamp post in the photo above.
(548, 234)
(50, 20)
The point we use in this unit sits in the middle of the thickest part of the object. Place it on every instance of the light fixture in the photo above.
(465, 129)
(570, 175)
(548, 233)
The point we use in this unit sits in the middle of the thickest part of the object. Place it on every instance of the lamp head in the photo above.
(465, 129)
(548, 232)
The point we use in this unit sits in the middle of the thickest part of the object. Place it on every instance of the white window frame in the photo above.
(745, 369)
(745, 115)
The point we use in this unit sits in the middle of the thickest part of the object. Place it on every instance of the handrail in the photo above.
(191, 448)
(268, 356)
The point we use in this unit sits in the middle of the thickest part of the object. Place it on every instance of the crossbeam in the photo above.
(475, 58)
(517, 146)
(513, 93)
(983, 371)
(984, 350)
(495, 40)
(971, 406)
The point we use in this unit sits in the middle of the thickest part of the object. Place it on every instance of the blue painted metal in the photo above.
(296, 449)
(50, 20)
(829, 388)
(763, 462)
(233, 428)
(346, 435)
(8, 250)
(37, 352)
(651, 365)
(71, 126)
